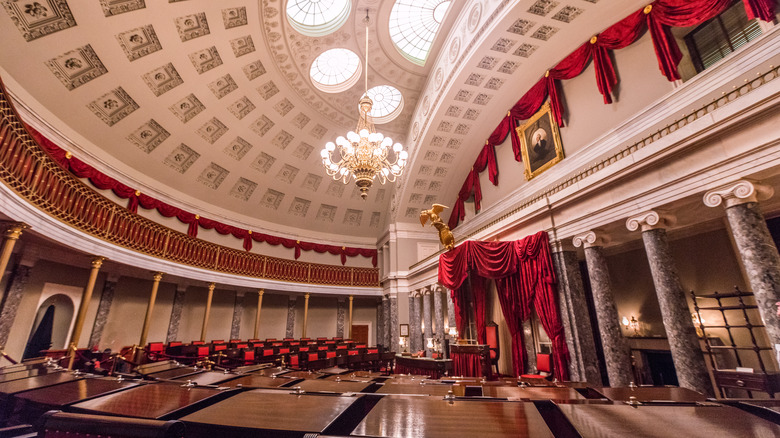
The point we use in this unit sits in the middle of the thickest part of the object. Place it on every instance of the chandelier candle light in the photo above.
(364, 154)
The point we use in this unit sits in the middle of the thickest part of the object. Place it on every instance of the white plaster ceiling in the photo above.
(238, 125)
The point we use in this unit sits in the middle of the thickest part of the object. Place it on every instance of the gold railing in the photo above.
(36, 177)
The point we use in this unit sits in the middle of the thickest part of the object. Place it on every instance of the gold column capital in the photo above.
(307, 296)
(157, 276)
(212, 286)
(261, 292)
(97, 262)
(351, 297)
(13, 230)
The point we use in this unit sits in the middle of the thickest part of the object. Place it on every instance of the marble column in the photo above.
(617, 354)
(438, 313)
(207, 313)
(387, 340)
(584, 365)
(289, 331)
(13, 231)
(12, 300)
(394, 329)
(757, 249)
(341, 315)
(415, 313)
(683, 342)
(104, 307)
(176, 310)
(450, 308)
(530, 346)
(428, 333)
(380, 324)
(238, 312)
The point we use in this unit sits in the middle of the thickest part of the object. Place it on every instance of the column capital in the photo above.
(738, 192)
(157, 276)
(212, 286)
(97, 262)
(590, 239)
(260, 292)
(307, 295)
(560, 246)
(13, 230)
(181, 287)
(650, 220)
(351, 297)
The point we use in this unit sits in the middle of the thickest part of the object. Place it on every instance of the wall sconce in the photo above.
(633, 324)
(422, 326)
(403, 343)
(429, 345)
(697, 323)
(453, 332)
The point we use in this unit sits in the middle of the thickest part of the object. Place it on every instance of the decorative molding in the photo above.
(590, 239)
(650, 220)
(739, 192)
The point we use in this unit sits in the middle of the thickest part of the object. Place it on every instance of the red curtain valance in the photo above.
(524, 276)
(658, 16)
(194, 221)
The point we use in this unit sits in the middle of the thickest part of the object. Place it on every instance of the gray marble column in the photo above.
(530, 347)
(438, 314)
(617, 354)
(450, 308)
(238, 311)
(757, 249)
(12, 299)
(683, 342)
(380, 324)
(341, 316)
(292, 303)
(427, 308)
(178, 307)
(394, 329)
(584, 365)
(415, 315)
(388, 339)
(412, 335)
(106, 298)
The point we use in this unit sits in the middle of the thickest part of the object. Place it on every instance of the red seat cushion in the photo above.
(203, 351)
(155, 347)
(218, 341)
(174, 343)
(198, 342)
(352, 352)
(373, 350)
(314, 356)
(294, 360)
(268, 352)
(277, 344)
(323, 347)
(284, 350)
(303, 349)
(220, 347)
(341, 347)
(330, 354)
(543, 363)
(249, 355)
(242, 345)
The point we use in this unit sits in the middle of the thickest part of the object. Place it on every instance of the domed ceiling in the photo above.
(209, 105)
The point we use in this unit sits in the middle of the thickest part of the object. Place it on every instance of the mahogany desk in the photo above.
(206, 378)
(532, 393)
(260, 413)
(156, 367)
(331, 386)
(256, 381)
(9, 389)
(162, 401)
(422, 366)
(174, 373)
(302, 375)
(654, 421)
(30, 405)
(21, 373)
(271, 371)
(427, 389)
(652, 393)
(433, 417)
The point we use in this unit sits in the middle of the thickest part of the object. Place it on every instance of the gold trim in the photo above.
(593, 39)
(647, 9)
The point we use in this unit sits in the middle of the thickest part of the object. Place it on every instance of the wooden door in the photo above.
(360, 333)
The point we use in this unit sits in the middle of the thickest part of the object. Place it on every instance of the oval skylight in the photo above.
(388, 103)
(335, 70)
(413, 26)
(317, 17)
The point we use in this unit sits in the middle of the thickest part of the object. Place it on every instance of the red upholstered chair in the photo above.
(202, 351)
(249, 357)
(330, 342)
(254, 341)
(270, 340)
(284, 350)
(303, 349)
(543, 368)
(491, 336)
(322, 339)
(268, 352)
(288, 339)
(220, 347)
(235, 341)
(305, 339)
(277, 344)
(314, 356)
(155, 347)
(373, 351)
(217, 341)
(353, 353)
(175, 343)
(198, 343)
(341, 347)
(330, 354)
(337, 338)
(294, 361)
(242, 345)
(295, 343)
(322, 348)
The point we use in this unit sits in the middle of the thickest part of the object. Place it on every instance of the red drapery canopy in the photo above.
(524, 276)
(659, 17)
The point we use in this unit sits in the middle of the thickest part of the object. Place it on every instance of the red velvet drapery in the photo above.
(659, 17)
(524, 273)
(193, 221)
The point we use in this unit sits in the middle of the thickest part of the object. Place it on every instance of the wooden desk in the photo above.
(256, 381)
(302, 375)
(427, 389)
(470, 360)
(11, 388)
(532, 393)
(653, 421)
(432, 417)
(331, 386)
(764, 382)
(652, 393)
(174, 373)
(206, 378)
(258, 413)
(152, 401)
(156, 367)
(422, 366)
(271, 371)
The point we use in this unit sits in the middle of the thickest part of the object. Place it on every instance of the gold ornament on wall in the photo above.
(445, 235)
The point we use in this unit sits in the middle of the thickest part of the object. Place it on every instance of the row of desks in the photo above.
(276, 402)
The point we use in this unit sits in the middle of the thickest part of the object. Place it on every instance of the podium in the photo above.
(470, 360)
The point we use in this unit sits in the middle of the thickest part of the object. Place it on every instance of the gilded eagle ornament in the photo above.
(445, 235)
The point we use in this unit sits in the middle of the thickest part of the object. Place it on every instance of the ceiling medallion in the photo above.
(364, 153)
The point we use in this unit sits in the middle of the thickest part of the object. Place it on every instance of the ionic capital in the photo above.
(97, 262)
(738, 192)
(591, 238)
(13, 230)
(650, 220)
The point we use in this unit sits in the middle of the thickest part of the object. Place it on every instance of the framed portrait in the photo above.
(540, 142)
(404, 329)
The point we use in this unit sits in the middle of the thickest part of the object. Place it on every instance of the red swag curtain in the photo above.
(524, 274)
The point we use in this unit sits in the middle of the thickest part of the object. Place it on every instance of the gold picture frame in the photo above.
(535, 136)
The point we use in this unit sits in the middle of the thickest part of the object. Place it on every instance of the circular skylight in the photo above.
(413, 26)
(335, 70)
(388, 103)
(317, 17)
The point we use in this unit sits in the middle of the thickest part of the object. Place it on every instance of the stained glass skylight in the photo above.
(335, 70)
(413, 26)
(388, 103)
(317, 17)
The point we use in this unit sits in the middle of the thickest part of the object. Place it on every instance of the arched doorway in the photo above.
(52, 325)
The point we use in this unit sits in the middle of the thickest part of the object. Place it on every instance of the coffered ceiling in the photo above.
(209, 106)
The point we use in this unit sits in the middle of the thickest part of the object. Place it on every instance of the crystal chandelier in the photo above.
(364, 152)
